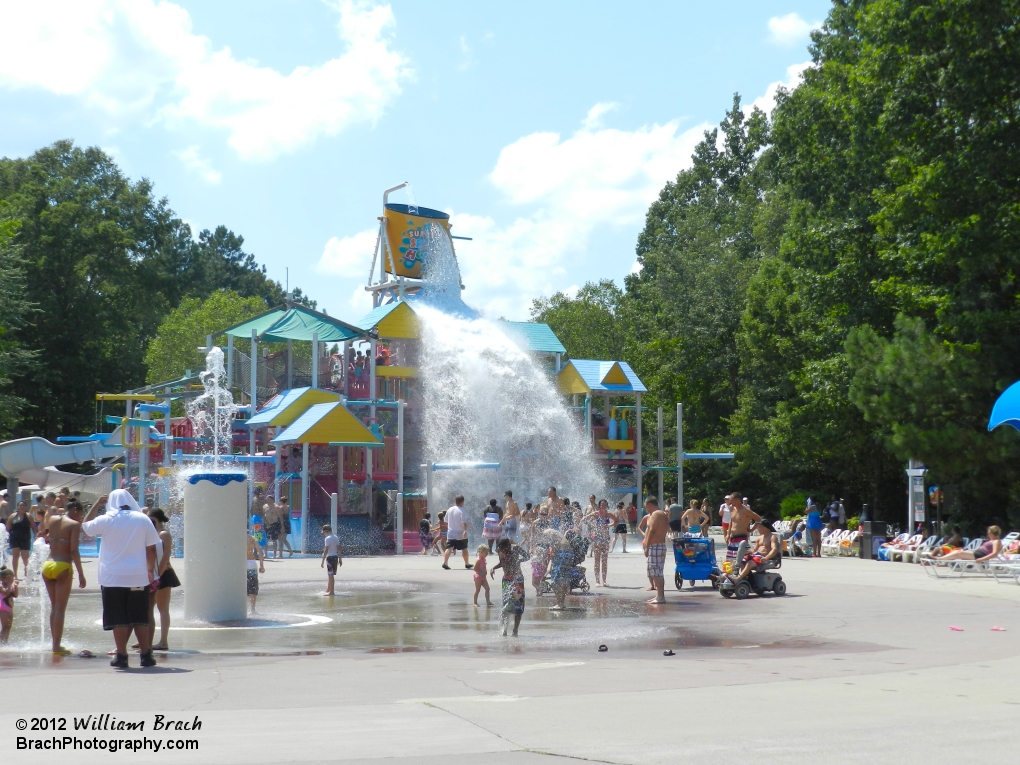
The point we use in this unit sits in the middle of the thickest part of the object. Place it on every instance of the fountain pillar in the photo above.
(215, 546)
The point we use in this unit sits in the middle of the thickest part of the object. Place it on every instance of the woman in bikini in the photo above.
(160, 600)
(63, 533)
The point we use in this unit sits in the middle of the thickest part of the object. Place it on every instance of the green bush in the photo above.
(793, 505)
(853, 523)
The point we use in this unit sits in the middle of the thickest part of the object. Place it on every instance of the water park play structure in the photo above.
(367, 424)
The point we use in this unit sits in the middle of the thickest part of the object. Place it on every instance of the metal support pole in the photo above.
(127, 452)
(143, 461)
(680, 454)
(559, 363)
(277, 464)
(253, 397)
(346, 367)
(334, 501)
(399, 520)
(429, 507)
(304, 498)
(315, 359)
(290, 364)
(230, 362)
(638, 466)
(168, 444)
(660, 456)
(587, 417)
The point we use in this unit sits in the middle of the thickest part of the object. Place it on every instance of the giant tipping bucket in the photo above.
(215, 546)
(407, 237)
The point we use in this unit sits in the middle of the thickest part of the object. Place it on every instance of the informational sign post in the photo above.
(915, 494)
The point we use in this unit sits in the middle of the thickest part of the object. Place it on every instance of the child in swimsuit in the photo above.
(8, 592)
(480, 580)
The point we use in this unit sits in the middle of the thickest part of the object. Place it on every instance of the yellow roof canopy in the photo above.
(326, 423)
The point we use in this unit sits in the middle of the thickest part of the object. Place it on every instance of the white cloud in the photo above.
(767, 102)
(636, 268)
(141, 57)
(360, 302)
(597, 177)
(193, 161)
(789, 30)
(349, 257)
(594, 119)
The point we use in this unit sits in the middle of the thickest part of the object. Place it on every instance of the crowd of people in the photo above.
(554, 535)
(134, 574)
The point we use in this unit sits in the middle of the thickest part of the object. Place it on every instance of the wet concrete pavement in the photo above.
(856, 662)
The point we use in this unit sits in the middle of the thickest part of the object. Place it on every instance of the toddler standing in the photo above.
(9, 591)
(480, 574)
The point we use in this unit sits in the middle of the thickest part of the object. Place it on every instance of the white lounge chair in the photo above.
(901, 550)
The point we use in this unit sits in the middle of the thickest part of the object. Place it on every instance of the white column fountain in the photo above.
(215, 509)
(215, 552)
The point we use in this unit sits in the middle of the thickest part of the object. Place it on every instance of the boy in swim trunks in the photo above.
(654, 545)
(256, 566)
(64, 533)
(330, 557)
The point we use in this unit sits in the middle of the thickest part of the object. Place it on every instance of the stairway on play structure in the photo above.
(359, 536)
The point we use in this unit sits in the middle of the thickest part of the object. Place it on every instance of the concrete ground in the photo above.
(856, 664)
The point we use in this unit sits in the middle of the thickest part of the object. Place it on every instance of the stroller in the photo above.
(578, 579)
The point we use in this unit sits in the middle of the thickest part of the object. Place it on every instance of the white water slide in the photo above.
(32, 460)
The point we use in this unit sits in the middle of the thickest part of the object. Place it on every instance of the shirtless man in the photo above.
(654, 545)
(742, 518)
(256, 566)
(5, 507)
(64, 532)
(273, 525)
(283, 513)
(764, 549)
(556, 508)
(528, 518)
(511, 517)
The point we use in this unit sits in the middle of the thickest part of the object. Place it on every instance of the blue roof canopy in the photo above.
(592, 373)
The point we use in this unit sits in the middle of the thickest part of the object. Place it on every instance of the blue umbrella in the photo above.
(1007, 409)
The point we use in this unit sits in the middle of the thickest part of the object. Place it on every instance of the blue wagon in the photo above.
(695, 560)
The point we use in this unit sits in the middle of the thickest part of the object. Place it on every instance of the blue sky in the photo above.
(545, 129)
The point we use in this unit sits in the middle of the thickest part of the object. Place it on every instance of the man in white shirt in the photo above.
(456, 532)
(127, 560)
(724, 516)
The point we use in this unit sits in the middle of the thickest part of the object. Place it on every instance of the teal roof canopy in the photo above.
(295, 323)
(539, 337)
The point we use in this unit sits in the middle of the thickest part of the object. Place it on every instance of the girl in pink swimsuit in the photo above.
(8, 592)
(481, 580)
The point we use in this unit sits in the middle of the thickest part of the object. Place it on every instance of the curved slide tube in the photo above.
(31, 461)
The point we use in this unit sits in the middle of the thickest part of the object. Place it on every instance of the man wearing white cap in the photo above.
(127, 561)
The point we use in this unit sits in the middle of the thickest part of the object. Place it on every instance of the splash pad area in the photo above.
(408, 669)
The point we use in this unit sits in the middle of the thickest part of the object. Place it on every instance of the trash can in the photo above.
(872, 530)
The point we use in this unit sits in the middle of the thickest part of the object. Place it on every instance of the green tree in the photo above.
(174, 349)
(696, 254)
(587, 324)
(15, 311)
(104, 261)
